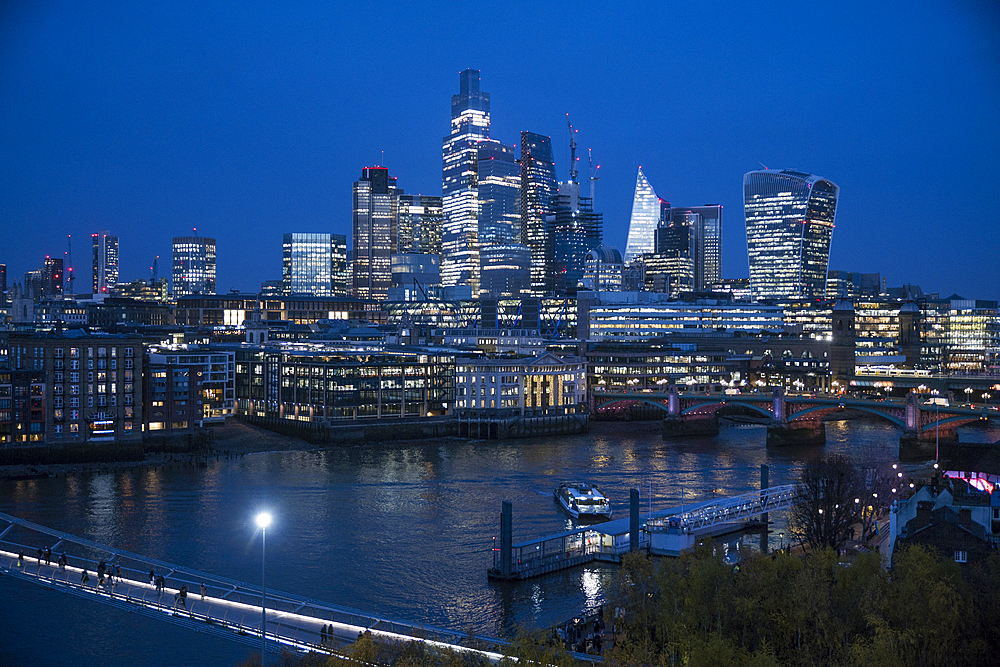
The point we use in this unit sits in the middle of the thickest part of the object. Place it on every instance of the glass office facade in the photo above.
(376, 205)
(194, 265)
(307, 264)
(642, 224)
(789, 219)
(538, 190)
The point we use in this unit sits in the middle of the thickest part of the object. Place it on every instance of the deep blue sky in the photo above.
(247, 120)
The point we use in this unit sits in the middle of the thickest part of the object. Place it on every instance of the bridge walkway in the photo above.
(230, 608)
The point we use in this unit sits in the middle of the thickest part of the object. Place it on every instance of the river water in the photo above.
(404, 532)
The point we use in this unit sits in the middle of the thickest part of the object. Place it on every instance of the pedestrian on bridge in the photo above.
(84, 578)
(40, 554)
(20, 559)
(48, 555)
(118, 572)
(204, 591)
(62, 561)
(152, 577)
(160, 583)
(180, 598)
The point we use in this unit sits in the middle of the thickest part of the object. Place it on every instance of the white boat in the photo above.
(583, 500)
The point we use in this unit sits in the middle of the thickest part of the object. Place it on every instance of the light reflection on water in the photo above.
(401, 532)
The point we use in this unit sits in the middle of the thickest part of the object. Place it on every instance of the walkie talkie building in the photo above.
(790, 219)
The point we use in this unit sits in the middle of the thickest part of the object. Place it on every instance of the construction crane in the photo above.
(68, 272)
(573, 171)
(593, 174)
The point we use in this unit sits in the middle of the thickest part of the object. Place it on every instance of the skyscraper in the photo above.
(3, 285)
(499, 194)
(703, 244)
(575, 230)
(52, 278)
(307, 264)
(538, 191)
(642, 225)
(105, 262)
(790, 219)
(339, 275)
(470, 124)
(376, 207)
(194, 265)
(420, 223)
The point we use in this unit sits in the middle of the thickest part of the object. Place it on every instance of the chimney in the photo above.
(924, 508)
(965, 517)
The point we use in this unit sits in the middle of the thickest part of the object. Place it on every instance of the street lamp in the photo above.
(263, 521)
(968, 393)
(782, 537)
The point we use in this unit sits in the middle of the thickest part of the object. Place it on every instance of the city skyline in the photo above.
(136, 135)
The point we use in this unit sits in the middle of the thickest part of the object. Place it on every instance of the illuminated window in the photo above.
(961, 556)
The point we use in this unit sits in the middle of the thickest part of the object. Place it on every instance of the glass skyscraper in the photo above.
(421, 219)
(575, 230)
(499, 194)
(470, 124)
(194, 265)
(704, 225)
(376, 204)
(307, 264)
(790, 219)
(339, 276)
(105, 262)
(538, 191)
(645, 216)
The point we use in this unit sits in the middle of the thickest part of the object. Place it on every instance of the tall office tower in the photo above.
(506, 271)
(538, 190)
(499, 194)
(575, 230)
(642, 225)
(470, 124)
(421, 219)
(675, 252)
(105, 262)
(340, 277)
(705, 229)
(789, 218)
(307, 264)
(52, 278)
(194, 265)
(3, 285)
(376, 207)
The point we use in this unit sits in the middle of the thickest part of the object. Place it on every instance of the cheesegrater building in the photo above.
(790, 219)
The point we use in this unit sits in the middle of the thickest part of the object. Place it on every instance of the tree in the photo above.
(825, 512)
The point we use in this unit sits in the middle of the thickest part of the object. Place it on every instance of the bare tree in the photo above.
(825, 512)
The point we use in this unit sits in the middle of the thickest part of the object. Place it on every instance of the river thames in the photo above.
(404, 532)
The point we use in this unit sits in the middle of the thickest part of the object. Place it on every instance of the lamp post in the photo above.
(937, 430)
(263, 521)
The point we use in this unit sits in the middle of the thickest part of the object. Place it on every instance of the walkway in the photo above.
(231, 609)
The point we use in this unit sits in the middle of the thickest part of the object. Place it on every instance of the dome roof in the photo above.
(605, 254)
(843, 305)
(909, 307)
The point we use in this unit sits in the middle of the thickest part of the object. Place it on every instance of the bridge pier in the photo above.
(677, 427)
(797, 433)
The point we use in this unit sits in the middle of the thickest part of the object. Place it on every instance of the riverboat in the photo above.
(583, 501)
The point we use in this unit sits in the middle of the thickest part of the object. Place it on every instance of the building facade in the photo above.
(506, 271)
(575, 230)
(234, 309)
(545, 384)
(643, 221)
(340, 277)
(421, 221)
(376, 206)
(194, 265)
(307, 264)
(499, 193)
(187, 387)
(789, 220)
(67, 389)
(105, 256)
(538, 191)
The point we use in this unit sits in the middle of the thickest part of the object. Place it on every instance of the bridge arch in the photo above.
(950, 422)
(632, 399)
(827, 409)
(718, 405)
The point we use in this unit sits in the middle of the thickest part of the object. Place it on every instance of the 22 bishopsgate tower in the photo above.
(790, 219)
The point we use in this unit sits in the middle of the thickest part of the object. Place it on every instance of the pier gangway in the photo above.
(228, 608)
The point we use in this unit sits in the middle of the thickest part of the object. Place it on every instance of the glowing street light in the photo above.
(263, 521)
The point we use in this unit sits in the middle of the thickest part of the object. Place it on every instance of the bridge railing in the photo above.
(728, 510)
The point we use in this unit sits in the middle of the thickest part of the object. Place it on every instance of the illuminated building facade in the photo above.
(66, 390)
(546, 384)
(376, 205)
(789, 220)
(704, 224)
(506, 270)
(538, 191)
(642, 224)
(499, 194)
(602, 269)
(187, 387)
(575, 230)
(52, 278)
(194, 265)
(470, 124)
(339, 275)
(105, 264)
(307, 264)
(234, 309)
(421, 220)
(850, 284)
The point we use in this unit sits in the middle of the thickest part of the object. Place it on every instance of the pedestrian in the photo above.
(20, 559)
(181, 597)
(159, 584)
(151, 577)
(40, 554)
(322, 636)
(48, 555)
(204, 591)
(118, 572)
(84, 578)
(101, 569)
(62, 562)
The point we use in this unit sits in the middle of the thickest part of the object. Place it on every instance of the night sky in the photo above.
(245, 120)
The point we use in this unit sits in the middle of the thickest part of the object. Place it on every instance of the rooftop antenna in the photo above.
(573, 171)
(593, 174)
(762, 164)
(69, 269)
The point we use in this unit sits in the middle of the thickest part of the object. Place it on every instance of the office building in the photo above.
(406, 268)
(538, 191)
(194, 265)
(3, 285)
(506, 271)
(307, 264)
(470, 124)
(105, 262)
(376, 203)
(575, 230)
(850, 284)
(789, 220)
(642, 224)
(603, 269)
(546, 384)
(421, 221)
(499, 194)
(52, 278)
(339, 274)
(704, 224)
(187, 387)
